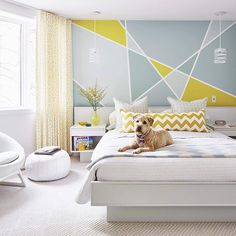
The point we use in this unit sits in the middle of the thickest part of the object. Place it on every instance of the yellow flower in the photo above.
(94, 95)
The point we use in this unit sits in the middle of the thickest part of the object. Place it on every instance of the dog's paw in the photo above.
(137, 151)
(121, 150)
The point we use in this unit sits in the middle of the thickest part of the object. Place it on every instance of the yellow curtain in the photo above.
(54, 102)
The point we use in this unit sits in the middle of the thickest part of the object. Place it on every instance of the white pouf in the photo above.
(48, 167)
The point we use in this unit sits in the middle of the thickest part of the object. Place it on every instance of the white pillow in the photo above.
(112, 118)
(140, 106)
(182, 106)
(112, 121)
(7, 157)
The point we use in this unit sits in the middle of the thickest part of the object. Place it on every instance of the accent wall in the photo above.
(156, 59)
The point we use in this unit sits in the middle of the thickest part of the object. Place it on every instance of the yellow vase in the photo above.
(95, 119)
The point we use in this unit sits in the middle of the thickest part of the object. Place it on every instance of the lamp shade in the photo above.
(220, 55)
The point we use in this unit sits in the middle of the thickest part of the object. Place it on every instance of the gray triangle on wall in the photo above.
(132, 45)
(122, 22)
(188, 65)
(158, 94)
(177, 81)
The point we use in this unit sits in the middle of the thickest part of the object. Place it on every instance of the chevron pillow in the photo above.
(188, 121)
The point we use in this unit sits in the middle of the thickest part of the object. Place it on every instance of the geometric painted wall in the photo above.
(156, 59)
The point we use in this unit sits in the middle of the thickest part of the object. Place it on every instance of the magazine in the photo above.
(49, 150)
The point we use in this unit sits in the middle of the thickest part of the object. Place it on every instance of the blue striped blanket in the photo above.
(186, 145)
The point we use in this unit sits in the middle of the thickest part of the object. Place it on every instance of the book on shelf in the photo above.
(82, 143)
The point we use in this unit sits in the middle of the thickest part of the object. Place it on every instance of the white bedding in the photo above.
(109, 165)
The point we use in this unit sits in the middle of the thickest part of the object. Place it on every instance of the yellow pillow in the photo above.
(188, 121)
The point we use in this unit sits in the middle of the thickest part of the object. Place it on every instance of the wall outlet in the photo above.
(213, 98)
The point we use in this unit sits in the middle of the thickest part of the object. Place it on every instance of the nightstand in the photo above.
(80, 133)
(227, 130)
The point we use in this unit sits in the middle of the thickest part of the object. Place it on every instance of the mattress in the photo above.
(163, 169)
(194, 157)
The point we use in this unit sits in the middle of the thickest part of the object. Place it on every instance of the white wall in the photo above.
(19, 124)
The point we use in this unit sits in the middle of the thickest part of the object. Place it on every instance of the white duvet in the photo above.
(192, 157)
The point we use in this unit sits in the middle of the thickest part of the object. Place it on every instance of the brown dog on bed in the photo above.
(147, 139)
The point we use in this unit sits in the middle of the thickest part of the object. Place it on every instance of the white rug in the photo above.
(43, 209)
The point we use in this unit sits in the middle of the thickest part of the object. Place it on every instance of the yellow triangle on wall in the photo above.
(163, 69)
(197, 90)
(111, 29)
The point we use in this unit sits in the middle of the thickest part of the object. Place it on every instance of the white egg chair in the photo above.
(12, 157)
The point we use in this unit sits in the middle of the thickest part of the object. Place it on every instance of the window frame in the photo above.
(26, 24)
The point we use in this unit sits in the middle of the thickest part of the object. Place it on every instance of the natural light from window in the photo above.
(10, 67)
(17, 57)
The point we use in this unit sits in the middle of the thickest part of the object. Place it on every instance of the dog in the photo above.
(147, 139)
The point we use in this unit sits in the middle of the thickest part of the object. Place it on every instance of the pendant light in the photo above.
(220, 53)
(94, 56)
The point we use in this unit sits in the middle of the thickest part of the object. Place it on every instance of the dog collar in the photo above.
(142, 136)
(141, 141)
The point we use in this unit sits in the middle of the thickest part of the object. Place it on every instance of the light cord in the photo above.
(220, 30)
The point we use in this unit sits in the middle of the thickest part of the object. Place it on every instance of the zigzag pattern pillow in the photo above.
(189, 121)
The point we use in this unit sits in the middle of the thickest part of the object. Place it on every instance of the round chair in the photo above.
(11, 166)
(48, 167)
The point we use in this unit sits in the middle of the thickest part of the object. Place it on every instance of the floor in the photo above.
(49, 208)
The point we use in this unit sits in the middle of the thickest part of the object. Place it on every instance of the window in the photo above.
(17, 57)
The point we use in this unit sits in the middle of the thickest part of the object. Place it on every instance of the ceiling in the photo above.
(137, 9)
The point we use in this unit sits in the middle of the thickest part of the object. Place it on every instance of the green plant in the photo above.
(94, 95)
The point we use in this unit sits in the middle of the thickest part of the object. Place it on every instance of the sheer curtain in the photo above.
(54, 102)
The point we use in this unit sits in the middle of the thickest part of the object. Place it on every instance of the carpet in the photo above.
(49, 209)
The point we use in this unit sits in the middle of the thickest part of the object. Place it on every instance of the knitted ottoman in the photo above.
(48, 167)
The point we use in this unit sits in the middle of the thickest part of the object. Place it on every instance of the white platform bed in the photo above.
(192, 180)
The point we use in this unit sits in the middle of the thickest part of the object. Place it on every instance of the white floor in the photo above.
(49, 208)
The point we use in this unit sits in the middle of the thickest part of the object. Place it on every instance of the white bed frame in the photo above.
(166, 201)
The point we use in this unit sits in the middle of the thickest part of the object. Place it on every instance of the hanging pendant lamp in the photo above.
(220, 53)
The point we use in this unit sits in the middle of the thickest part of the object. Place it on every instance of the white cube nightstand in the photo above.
(226, 130)
(82, 131)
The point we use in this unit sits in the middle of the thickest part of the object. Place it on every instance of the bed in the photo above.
(192, 180)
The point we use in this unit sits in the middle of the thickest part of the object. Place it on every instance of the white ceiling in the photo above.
(137, 9)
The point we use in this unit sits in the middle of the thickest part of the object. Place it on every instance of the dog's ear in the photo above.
(150, 120)
(135, 117)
